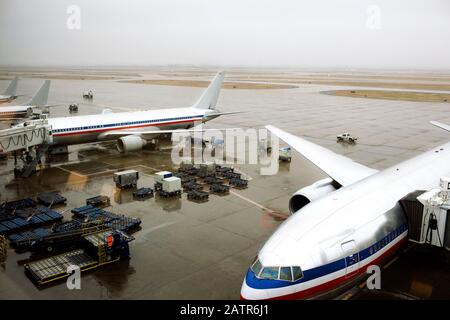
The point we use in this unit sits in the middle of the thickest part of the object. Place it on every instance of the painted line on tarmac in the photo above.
(390, 262)
(281, 215)
(72, 172)
(142, 237)
(347, 296)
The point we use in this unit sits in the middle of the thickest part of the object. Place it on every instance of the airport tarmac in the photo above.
(187, 250)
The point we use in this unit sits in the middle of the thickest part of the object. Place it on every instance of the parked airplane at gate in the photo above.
(39, 101)
(339, 225)
(133, 129)
(10, 92)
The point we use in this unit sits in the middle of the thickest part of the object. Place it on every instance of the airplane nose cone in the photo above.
(249, 293)
(246, 292)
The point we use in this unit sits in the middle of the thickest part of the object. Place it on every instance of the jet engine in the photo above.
(130, 143)
(311, 193)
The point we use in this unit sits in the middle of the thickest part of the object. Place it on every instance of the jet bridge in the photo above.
(428, 214)
(29, 134)
(31, 140)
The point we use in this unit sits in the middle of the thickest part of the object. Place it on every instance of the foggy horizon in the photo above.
(329, 35)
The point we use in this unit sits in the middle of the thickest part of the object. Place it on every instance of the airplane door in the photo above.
(351, 258)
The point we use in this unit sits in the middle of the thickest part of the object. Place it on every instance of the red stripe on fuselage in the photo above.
(333, 284)
(121, 128)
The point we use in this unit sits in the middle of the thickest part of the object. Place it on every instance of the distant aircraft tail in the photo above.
(209, 98)
(11, 90)
(41, 96)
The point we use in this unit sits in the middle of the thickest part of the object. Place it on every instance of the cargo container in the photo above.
(126, 179)
(160, 176)
(171, 184)
(285, 154)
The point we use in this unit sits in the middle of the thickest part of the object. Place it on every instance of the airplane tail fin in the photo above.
(11, 90)
(209, 98)
(41, 96)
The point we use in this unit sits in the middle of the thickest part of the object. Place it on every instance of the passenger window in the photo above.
(269, 273)
(256, 267)
(297, 273)
(285, 273)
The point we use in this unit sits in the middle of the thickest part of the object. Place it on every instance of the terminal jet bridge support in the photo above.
(31, 139)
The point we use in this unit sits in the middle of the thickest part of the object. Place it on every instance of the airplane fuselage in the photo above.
(92, 128)
(7, 98)
(335, 239)
(9, 112)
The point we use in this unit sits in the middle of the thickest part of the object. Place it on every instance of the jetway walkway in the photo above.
(30, 140)
(32, 133)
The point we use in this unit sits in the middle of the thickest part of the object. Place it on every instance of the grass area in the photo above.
(74, 77)
(200, 83)
(416, 85)
(392, 95)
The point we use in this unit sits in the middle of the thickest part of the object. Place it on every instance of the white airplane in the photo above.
(132, 130)
(38, 101)
(10, 92)
(340, 225)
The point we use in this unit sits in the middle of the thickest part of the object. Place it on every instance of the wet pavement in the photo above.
(188, 250)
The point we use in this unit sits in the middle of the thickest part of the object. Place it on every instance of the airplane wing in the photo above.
(440, 125)
(343, 170)
(226, 113)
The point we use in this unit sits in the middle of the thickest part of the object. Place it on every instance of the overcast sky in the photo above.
(399, 34)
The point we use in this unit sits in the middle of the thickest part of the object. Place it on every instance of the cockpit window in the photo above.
(256, 267)
(276, 273)
(270, 273)
(285, 273)
(297, 273)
